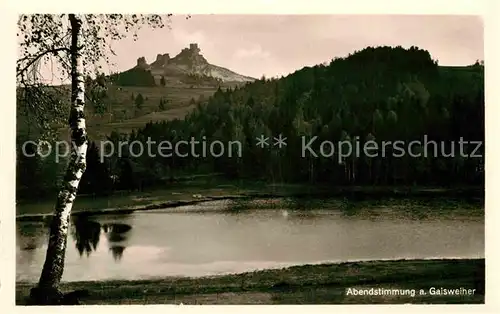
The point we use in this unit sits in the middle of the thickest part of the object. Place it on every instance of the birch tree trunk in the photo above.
(47, 291)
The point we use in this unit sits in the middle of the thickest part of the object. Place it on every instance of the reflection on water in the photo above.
(117, 235)
(32, 236)
(30, 239)
(117, 251)
(196, 243)
(116, 232)
(86, 234)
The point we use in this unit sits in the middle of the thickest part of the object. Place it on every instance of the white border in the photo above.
(488, 9)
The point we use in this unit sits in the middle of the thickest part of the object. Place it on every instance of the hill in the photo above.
(189, 66)
(176, 82)
(380, 94)
(383, 94)
(189, 62)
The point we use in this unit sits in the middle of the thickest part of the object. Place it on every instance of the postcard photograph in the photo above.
(249, 159)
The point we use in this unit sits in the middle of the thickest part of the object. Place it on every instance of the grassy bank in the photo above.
(307, 284)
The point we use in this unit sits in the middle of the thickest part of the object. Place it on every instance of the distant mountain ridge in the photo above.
(188, 62)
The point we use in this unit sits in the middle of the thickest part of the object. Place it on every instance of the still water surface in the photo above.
(204, 240)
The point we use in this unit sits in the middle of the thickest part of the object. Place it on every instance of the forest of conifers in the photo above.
(379, 94)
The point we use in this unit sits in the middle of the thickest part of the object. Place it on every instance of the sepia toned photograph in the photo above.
(206, 159)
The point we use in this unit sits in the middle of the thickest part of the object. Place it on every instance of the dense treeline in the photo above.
(377, 94)
(134, 77)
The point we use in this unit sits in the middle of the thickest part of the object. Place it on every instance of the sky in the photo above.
(275, 45)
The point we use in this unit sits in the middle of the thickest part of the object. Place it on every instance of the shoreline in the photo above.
(355, 193)
(130, 209)
(304, 284)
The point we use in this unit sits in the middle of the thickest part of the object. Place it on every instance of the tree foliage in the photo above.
(78, 43)
(139, 101)
(377, 94)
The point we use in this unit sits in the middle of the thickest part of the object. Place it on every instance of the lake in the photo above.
(208, 239)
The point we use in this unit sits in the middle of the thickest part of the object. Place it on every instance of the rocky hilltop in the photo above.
(188, 62)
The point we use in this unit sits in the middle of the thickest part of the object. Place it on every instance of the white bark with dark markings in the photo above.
(48, 285)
